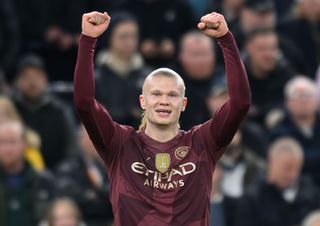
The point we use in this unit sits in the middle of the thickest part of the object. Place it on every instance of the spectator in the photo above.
(303, 29)
(197, 65)
(283, 197)
(43, 112)
(24, 192)
(313, 219)
(241, 168)
(222, 207)
(302, 121)
(32, 152)
(268, 73)
(254, 14)
(162, 22)
(83, 178)
(261, 14)
(121, 67)
(63, 212)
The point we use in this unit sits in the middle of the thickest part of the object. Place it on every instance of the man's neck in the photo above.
(161, 134)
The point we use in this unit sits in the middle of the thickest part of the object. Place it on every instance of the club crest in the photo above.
(181, 152)
(162, 162)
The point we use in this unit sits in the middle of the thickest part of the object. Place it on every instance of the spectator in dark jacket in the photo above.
(42, 112)
(302, 121)
(24, 192)
(303, 28)
(83, 179)
(267, 71)
(284, 197)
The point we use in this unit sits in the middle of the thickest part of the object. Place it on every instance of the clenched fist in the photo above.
(213, 25)
(95, 23)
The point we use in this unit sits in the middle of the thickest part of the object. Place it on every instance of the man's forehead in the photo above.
(163, 83)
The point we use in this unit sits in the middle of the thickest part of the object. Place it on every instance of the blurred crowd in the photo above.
(50, 174)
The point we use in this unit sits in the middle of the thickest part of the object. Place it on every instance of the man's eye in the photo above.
(173, 95)
(156, 94)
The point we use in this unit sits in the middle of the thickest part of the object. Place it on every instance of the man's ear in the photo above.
(142, 102)
(184, 104)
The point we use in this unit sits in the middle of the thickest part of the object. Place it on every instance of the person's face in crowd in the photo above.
(197, 56)
(215, 102)
(311, 9)
(87, 145)
(12, 145)
(251, 19)
(32, 82)
(263, 52)
(124, 39)
(303, 101)
(163, 100)
(284, 169)
(64, 215)
(232, 5)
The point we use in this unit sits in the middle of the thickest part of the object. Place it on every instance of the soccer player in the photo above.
(160, 175)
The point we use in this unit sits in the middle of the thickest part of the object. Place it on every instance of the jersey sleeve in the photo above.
(219, 131)
(106, 135)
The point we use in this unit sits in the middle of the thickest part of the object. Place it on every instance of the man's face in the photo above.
(163, 101)
(32, 82)
(197, 56)
(311, 8)
(124, 39)
(285, 169)
(303, 102)
(12, 146)
(263, 52)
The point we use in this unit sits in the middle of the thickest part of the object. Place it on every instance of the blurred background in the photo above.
(50, 174)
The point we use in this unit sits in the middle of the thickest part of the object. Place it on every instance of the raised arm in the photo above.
(227, 119)
(97, 121)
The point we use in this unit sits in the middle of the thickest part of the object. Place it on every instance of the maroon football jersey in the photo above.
(154, 183)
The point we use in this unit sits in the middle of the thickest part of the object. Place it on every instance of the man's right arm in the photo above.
(103, 131)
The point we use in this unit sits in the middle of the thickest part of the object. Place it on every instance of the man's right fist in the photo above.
(95, 23)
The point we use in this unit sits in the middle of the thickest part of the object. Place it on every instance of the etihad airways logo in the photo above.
(165, 180)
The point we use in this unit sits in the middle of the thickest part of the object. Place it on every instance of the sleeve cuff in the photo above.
(226, 38)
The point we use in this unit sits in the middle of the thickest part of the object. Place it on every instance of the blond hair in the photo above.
(7, 105)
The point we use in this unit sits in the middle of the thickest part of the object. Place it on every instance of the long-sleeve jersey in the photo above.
(155, 183)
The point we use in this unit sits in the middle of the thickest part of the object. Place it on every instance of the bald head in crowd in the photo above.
(301, 97)
(285, 161)
(197, 55)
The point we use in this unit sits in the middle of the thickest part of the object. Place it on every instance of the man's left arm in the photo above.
(227, 119)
